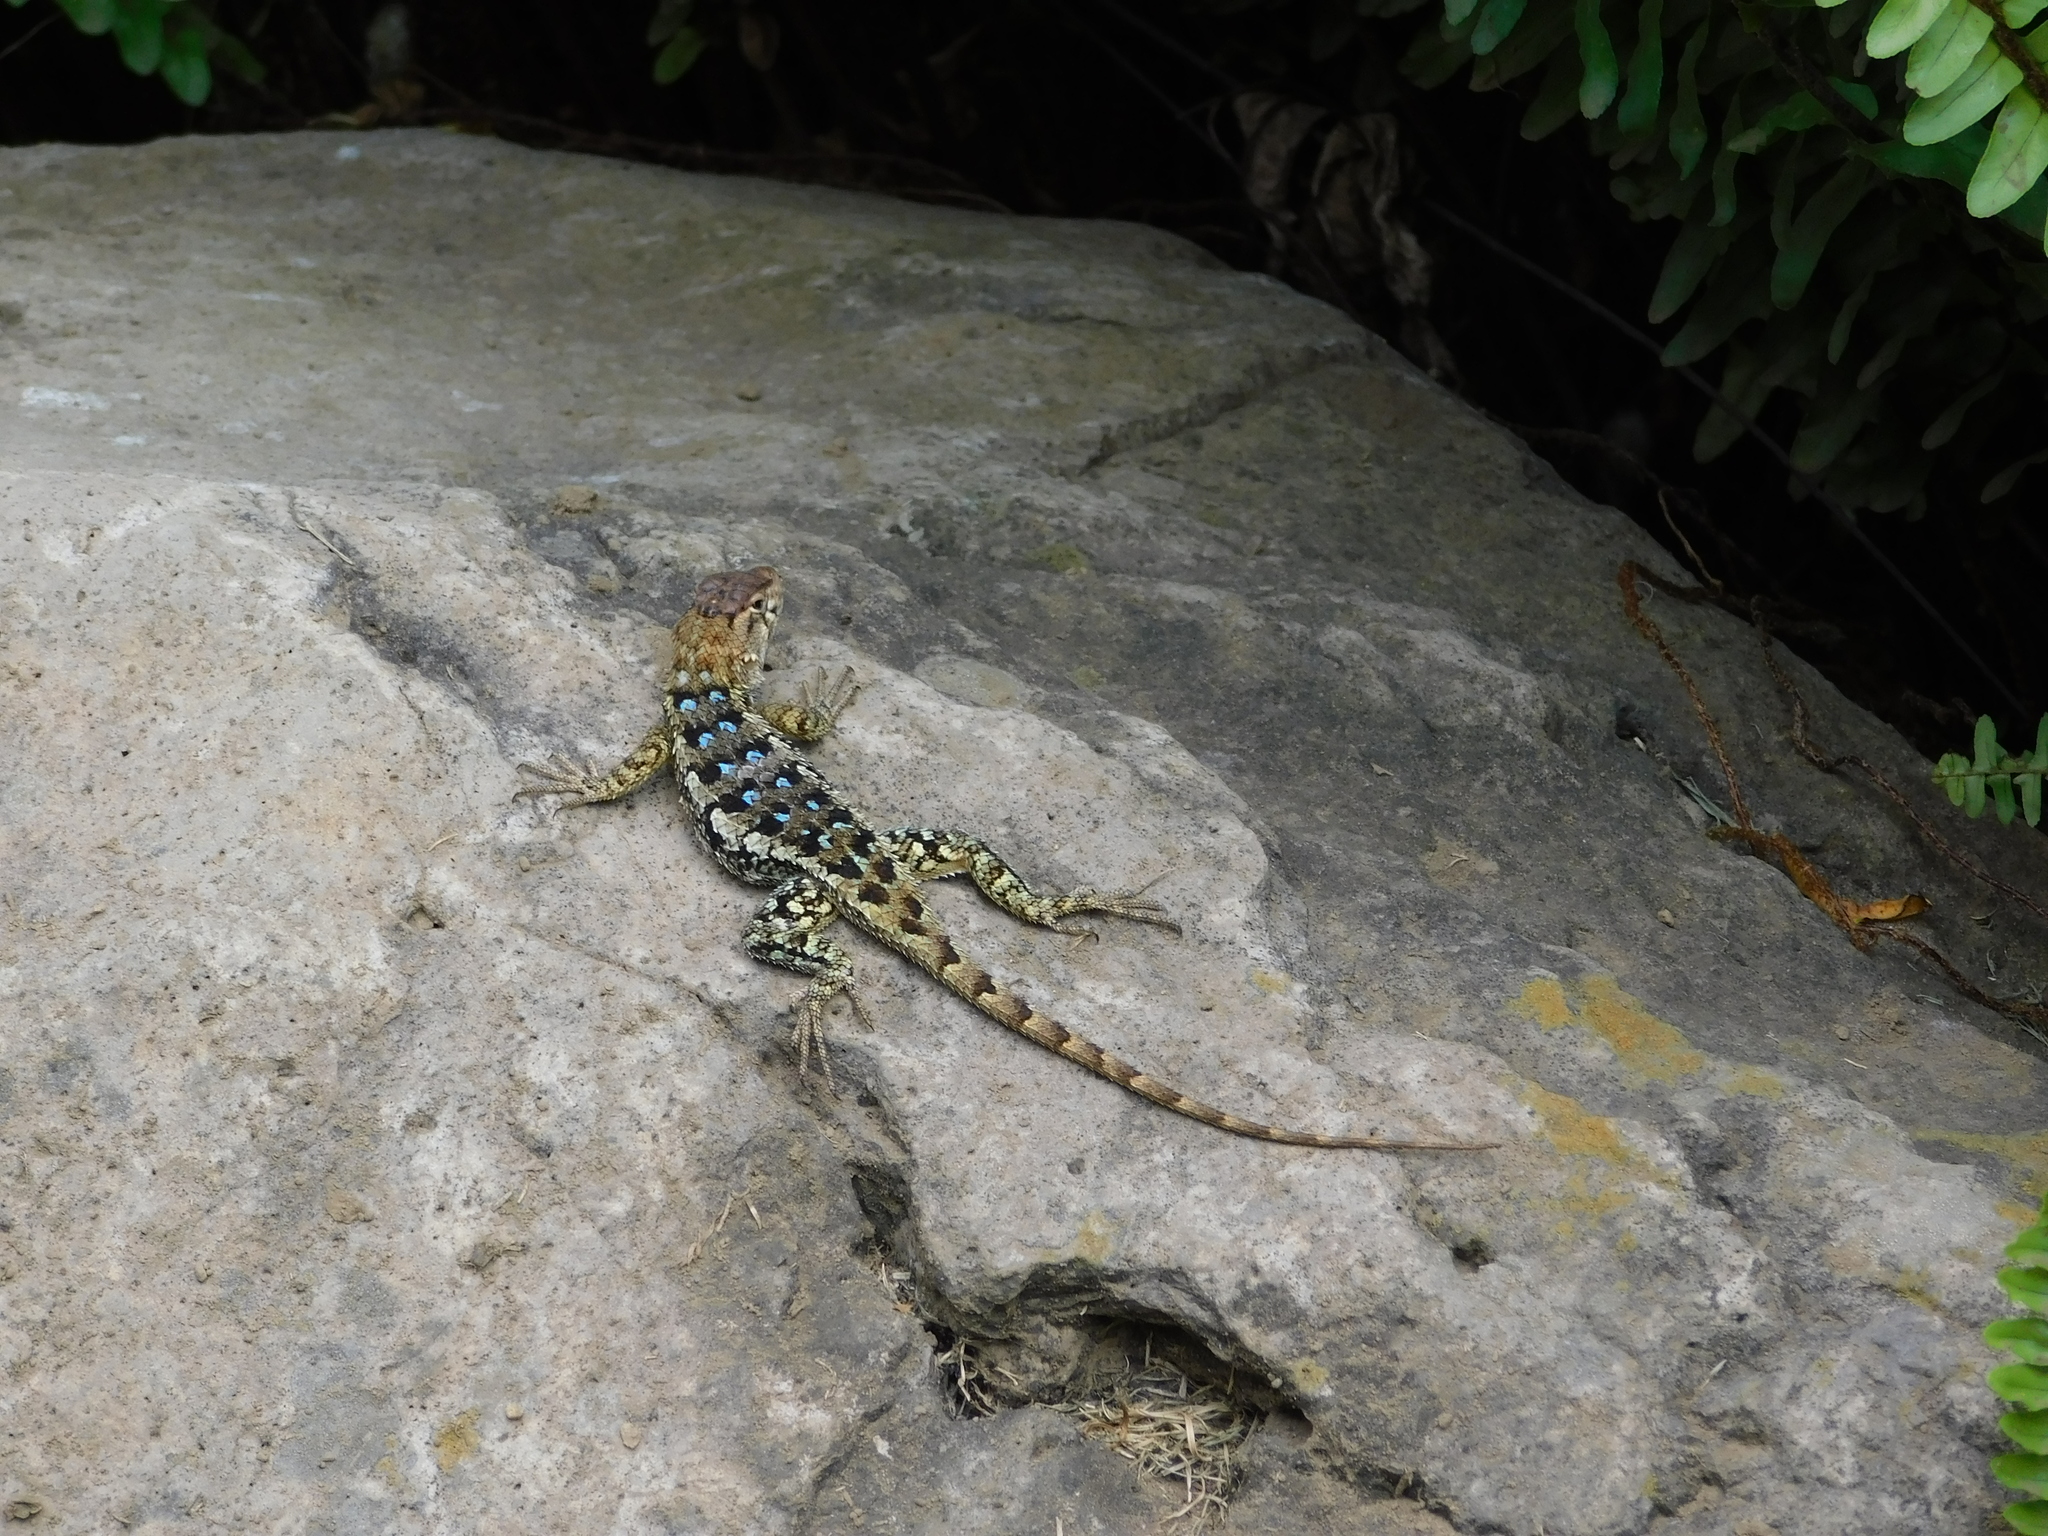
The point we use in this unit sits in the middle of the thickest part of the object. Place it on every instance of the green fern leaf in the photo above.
(1740, 292)
(2026, 1337)
(1688, 123)
(1985, 744)
(92, 17)
(1946, 425)
(1557, 98)
(1596, 52)
(2027, 1429)
(681, 51)
(139, 31)
(1455, 11)
(1795, 113)
(1979, 88)
(1845, 317)
(2015, 158)
(2026, 1385)
(2022, 1472)
(1496, 21)
(2030, 1518)
(1811, 230)
(1899, 25)
(1947, 48)
(2029, 1287)
(1638, 114)
(185, 68)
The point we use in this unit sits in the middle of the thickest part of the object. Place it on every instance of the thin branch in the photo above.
(1842, 516)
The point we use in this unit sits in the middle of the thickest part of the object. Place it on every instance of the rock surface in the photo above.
(349, 1104)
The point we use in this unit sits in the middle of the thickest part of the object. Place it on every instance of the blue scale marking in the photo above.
(781, 782)
(782, 815)
(812, 804)
(750, 795)
(715, 696)
(704, 740)
(724, 769)
(753, 757)
(727, 725)
(686, 704)
(824, 840)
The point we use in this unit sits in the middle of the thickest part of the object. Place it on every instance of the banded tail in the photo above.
(934, 953)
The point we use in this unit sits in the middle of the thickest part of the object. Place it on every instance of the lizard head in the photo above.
(723, 634)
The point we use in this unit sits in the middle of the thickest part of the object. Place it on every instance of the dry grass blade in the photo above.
(970, 1388)
(1185, 1434)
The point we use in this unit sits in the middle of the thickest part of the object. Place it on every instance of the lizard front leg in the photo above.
(789, 931)
(580, 785)
(817, 709)
(927, 854)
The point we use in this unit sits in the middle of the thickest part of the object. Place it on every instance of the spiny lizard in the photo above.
(772, 819)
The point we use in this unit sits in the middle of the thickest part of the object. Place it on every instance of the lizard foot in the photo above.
(574, 782)
(1135, 905)
(819, 704)
(808, 1034)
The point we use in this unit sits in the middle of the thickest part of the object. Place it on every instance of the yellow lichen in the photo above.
(1543, 1000)
(1755, 1082)
(457, 1440)
(1644, 1043)
(1572, 1129)
(2025, 1153)
(1308, 1376)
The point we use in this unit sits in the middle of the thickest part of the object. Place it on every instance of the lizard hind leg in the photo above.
(789, 931)
(925, 854)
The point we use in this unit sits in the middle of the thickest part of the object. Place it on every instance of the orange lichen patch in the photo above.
(1645, 1043)
(1277, 983)
(2019, 1215)
(2026, 1154)
(1543, 1000)
(1569, 1127)
(1755, 1082)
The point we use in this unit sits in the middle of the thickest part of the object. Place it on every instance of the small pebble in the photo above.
(1841, 1031)
(1664, 916)
(629, 1436)
(514, 1412)
(749, 391)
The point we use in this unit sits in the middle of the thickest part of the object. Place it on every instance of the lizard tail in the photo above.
(937, 955)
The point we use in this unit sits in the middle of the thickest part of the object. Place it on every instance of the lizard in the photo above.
(770, 818)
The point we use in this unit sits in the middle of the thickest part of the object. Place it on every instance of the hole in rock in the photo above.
(1135, 1382)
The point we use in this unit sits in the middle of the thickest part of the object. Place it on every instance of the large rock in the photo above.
(349, 1102)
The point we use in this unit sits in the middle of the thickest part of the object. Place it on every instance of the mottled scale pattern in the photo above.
(772, 819)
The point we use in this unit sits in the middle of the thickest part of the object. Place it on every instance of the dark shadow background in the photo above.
(1123, 109)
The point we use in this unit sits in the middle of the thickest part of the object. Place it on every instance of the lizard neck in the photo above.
(707, 686)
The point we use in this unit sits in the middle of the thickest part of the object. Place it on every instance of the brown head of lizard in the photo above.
(723, 634)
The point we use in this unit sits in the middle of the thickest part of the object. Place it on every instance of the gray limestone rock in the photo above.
(379, 1151)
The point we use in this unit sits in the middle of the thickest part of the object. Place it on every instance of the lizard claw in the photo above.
(817, 709)
(808, 1033)
(1135, 905)
(557, 775)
